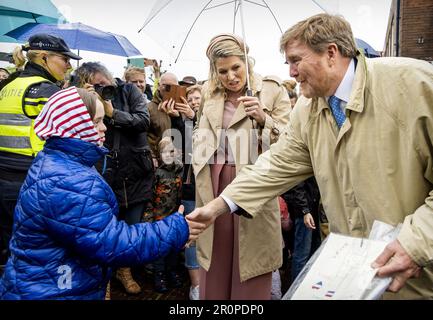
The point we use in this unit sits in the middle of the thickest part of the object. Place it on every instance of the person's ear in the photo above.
(44, 58)
(331, 53)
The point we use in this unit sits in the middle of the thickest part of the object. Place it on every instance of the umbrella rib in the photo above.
(156, 13)
(326, 11)
(219, 5)
(121, 46)
(235, 11)
(258, 4)
(273, 15)
(189, 31)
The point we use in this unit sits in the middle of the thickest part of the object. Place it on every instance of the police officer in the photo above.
(22, 97)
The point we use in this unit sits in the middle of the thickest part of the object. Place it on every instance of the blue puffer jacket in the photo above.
(66, 234)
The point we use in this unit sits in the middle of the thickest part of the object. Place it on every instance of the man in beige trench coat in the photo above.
(364, 128)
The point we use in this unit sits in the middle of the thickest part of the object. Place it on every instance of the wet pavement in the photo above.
(145, 279)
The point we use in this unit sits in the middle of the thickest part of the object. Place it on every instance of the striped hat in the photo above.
(65, 115)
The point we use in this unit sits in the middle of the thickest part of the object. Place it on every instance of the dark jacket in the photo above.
(160, 123)
(303, 199)
(66, 234)
(166, 191)
(188, 178)
(128, 170)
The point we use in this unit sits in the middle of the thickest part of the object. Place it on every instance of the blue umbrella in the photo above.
(14, 14)
(81, 37)
(369, 52)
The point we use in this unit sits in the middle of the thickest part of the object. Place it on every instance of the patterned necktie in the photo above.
(339, 116)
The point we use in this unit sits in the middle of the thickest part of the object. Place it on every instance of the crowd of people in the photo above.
(230, 180)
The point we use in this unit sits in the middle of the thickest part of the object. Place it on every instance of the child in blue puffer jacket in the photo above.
(66, 236)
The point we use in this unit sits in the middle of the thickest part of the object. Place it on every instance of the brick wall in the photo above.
(416, 29)
(416, 26)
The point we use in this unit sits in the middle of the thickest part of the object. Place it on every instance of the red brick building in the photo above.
(410, 30)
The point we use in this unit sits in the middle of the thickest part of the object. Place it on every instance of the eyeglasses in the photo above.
(64, 58)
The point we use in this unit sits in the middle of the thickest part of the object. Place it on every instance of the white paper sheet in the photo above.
(342, 271)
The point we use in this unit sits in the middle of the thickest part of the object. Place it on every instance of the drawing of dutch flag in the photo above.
(329, 293)
(317, 286)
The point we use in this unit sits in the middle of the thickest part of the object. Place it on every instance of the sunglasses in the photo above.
(64, 58)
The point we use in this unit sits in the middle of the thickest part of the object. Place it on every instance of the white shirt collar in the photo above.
(345, 87)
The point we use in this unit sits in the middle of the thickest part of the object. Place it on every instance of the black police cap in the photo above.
(49, 42)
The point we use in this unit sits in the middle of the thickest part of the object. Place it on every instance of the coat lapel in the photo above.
(213, 115)
(214, 110)
(238, 116)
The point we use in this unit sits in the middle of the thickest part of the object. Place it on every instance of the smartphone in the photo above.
(175, 92)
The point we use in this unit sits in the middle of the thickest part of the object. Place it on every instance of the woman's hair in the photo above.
(5, 70)
(133, 70)
(32, 55)
(223, 46)
(87, 71)
(192, 89)
(89, 100)
(290, 86)
(318, 31)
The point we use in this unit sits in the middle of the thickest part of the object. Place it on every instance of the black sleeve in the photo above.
(137, 118)
(178, 124)
(297, 197)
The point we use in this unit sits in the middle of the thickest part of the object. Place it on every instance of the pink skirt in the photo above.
(222, 281)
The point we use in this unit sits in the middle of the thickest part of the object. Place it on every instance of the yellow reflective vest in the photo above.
(17, 114)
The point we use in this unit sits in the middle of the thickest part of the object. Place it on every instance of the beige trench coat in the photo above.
(379, 166)
(260, 241)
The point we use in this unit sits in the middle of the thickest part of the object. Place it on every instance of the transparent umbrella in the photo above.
(184, 28)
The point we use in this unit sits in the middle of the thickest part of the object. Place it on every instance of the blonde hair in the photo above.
(318, 31)
(166, 141)
(192, 89)
(89, 100)
(20, 59)
(223, 46)
(133, 70)
(290, 86)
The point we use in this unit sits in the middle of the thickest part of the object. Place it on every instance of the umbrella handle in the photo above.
(250, 94)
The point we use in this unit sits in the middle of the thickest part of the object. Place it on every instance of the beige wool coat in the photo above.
(260, 241)
(378, 166)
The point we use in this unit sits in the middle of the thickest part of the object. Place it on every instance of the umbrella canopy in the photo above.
(184, 28)
(81, 37)
(14, 14)
(368, 50)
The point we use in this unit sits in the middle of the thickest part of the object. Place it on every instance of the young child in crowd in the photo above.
(66, 236)
(166, 198)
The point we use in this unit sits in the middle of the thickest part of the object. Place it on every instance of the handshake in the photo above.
(203, 217)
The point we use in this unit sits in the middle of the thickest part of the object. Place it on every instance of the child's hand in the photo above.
(181, 209)
(309, 221)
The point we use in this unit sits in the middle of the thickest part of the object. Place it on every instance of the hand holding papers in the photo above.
(341, 268)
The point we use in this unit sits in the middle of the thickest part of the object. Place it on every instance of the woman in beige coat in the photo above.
(237, 255)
